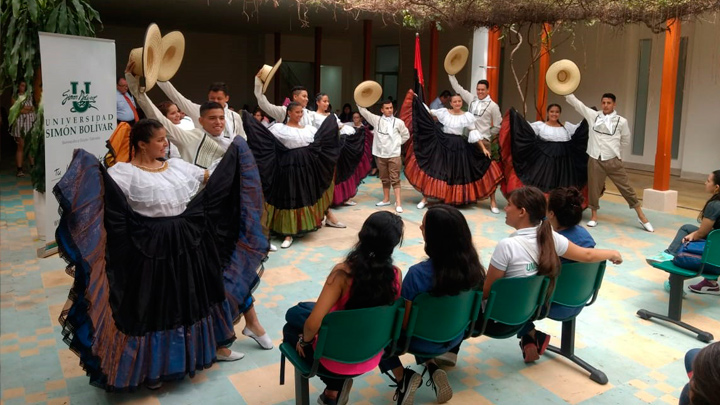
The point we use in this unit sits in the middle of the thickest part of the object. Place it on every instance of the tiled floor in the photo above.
(643, 360)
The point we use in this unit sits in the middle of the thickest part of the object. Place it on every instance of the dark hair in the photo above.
(143, 130)
(448, 243)
(445, 93)
(714, 197)
(553, 105)
(704, 387)
(164, 106)
(347, 105)
(534, 203)
(295, 91)
(319, 97)
(374, 281)
(219, 86)
(386, 101)
(259, 110)
(566, 204)
(608, 95)
(483, 81)
(209, 105)
(289, 107)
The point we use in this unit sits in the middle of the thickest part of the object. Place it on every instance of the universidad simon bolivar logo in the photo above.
(81, 98)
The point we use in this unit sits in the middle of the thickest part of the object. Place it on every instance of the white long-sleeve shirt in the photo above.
(554, 134)
(233, 121)
(278, 112)
(457, 124)
(487, 113)
(292, 137)
(389, 134)
(607, 134)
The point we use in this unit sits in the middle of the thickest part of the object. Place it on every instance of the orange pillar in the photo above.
(432, 83)
(663, 154)
(367, 43)
(541, 103)
(493, 61)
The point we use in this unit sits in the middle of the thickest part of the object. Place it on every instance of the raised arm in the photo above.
(466, 95)
(588, 113)
(277, 112)
(371, 118)
(185, 105)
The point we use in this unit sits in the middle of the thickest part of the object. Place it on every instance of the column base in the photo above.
(664, 201)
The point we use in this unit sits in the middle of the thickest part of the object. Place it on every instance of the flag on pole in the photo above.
(419, 79)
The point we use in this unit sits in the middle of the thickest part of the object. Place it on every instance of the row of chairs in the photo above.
(354, 336)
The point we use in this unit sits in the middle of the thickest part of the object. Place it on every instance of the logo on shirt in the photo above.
(82, 100)
(530, 267)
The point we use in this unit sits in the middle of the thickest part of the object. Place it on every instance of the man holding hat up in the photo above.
(608, 133)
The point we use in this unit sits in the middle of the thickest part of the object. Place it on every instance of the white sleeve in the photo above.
(588, 113)
(571, 128)
(404, 133)
(371, 118)
(185, 105)
(561, 243)
(496, 118)
(501, 255)
(466, 95)
(277, 112)
(624, 133)
(474, 135)
(238, 125)
(536, 126)
(174, 152)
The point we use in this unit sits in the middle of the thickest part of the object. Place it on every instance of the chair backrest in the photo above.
(357, 335)
(578, 283)
(711, 254)
(442, 319)
(514, 301)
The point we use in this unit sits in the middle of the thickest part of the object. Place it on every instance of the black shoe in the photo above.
(20, 172)
(405, 392)
(323, 400)
(439, 382)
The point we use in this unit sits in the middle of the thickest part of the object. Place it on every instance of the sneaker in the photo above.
(382, 203)
(542, 340)
(529, 349)
(286, 243)
(592, 224)
(494, 210)
(398, 209)
(448, 359)
(440, 384)
(659, 258)
(405, 392)
(273, 248)
(666, 287)
(421, 205)
(344, 394)
(705, 287)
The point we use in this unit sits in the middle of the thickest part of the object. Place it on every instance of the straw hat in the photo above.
(563, 77)
(455, 59)
(267, 72)
(173, 44)
(148, 58)
(367, 93)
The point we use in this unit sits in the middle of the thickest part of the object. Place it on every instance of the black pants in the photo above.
(295, 318)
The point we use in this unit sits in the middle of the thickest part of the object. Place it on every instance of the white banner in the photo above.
(79, 97)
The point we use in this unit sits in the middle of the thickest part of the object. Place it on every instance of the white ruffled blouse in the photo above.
(554, 134)
(318, 119)
(457, 124)
(162, 192)
(293, 138)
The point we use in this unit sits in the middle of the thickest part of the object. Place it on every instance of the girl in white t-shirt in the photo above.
(534, 249)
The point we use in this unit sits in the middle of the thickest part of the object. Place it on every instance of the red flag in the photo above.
(419, 80)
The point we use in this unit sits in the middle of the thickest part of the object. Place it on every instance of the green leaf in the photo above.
(15, 109)
(62, 19)
(16, 8)
(32, 10)
(51, 25)
(80, 12)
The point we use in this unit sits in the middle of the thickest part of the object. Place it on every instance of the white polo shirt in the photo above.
(512, 255)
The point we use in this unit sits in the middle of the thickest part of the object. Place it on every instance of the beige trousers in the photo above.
(613, 168)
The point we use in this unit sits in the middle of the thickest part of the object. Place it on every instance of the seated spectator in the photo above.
(534, 249)
(709, 219)
(564, 214)
(441, 101)
(703, 369)
(366, 278)
(453, 266)
(347, 113)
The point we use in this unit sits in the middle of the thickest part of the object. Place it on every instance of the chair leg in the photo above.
(282, 368)
(567, 350)
(302, 389)
(675, 310)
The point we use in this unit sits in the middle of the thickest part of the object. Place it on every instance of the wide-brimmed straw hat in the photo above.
(455, 59)
(148, 58)
(563, 77)
(267, 72)
(173, 44)
(367, 93)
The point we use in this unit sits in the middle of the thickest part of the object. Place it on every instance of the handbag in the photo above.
(689, 257)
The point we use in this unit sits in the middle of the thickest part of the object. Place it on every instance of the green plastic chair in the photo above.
(711, 256)
(441, 319)
(577, 286)
(514, 301)
(351, 336)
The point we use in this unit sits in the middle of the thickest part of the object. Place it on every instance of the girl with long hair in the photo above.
(366, 278)
(453, 266)
(709, 220)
